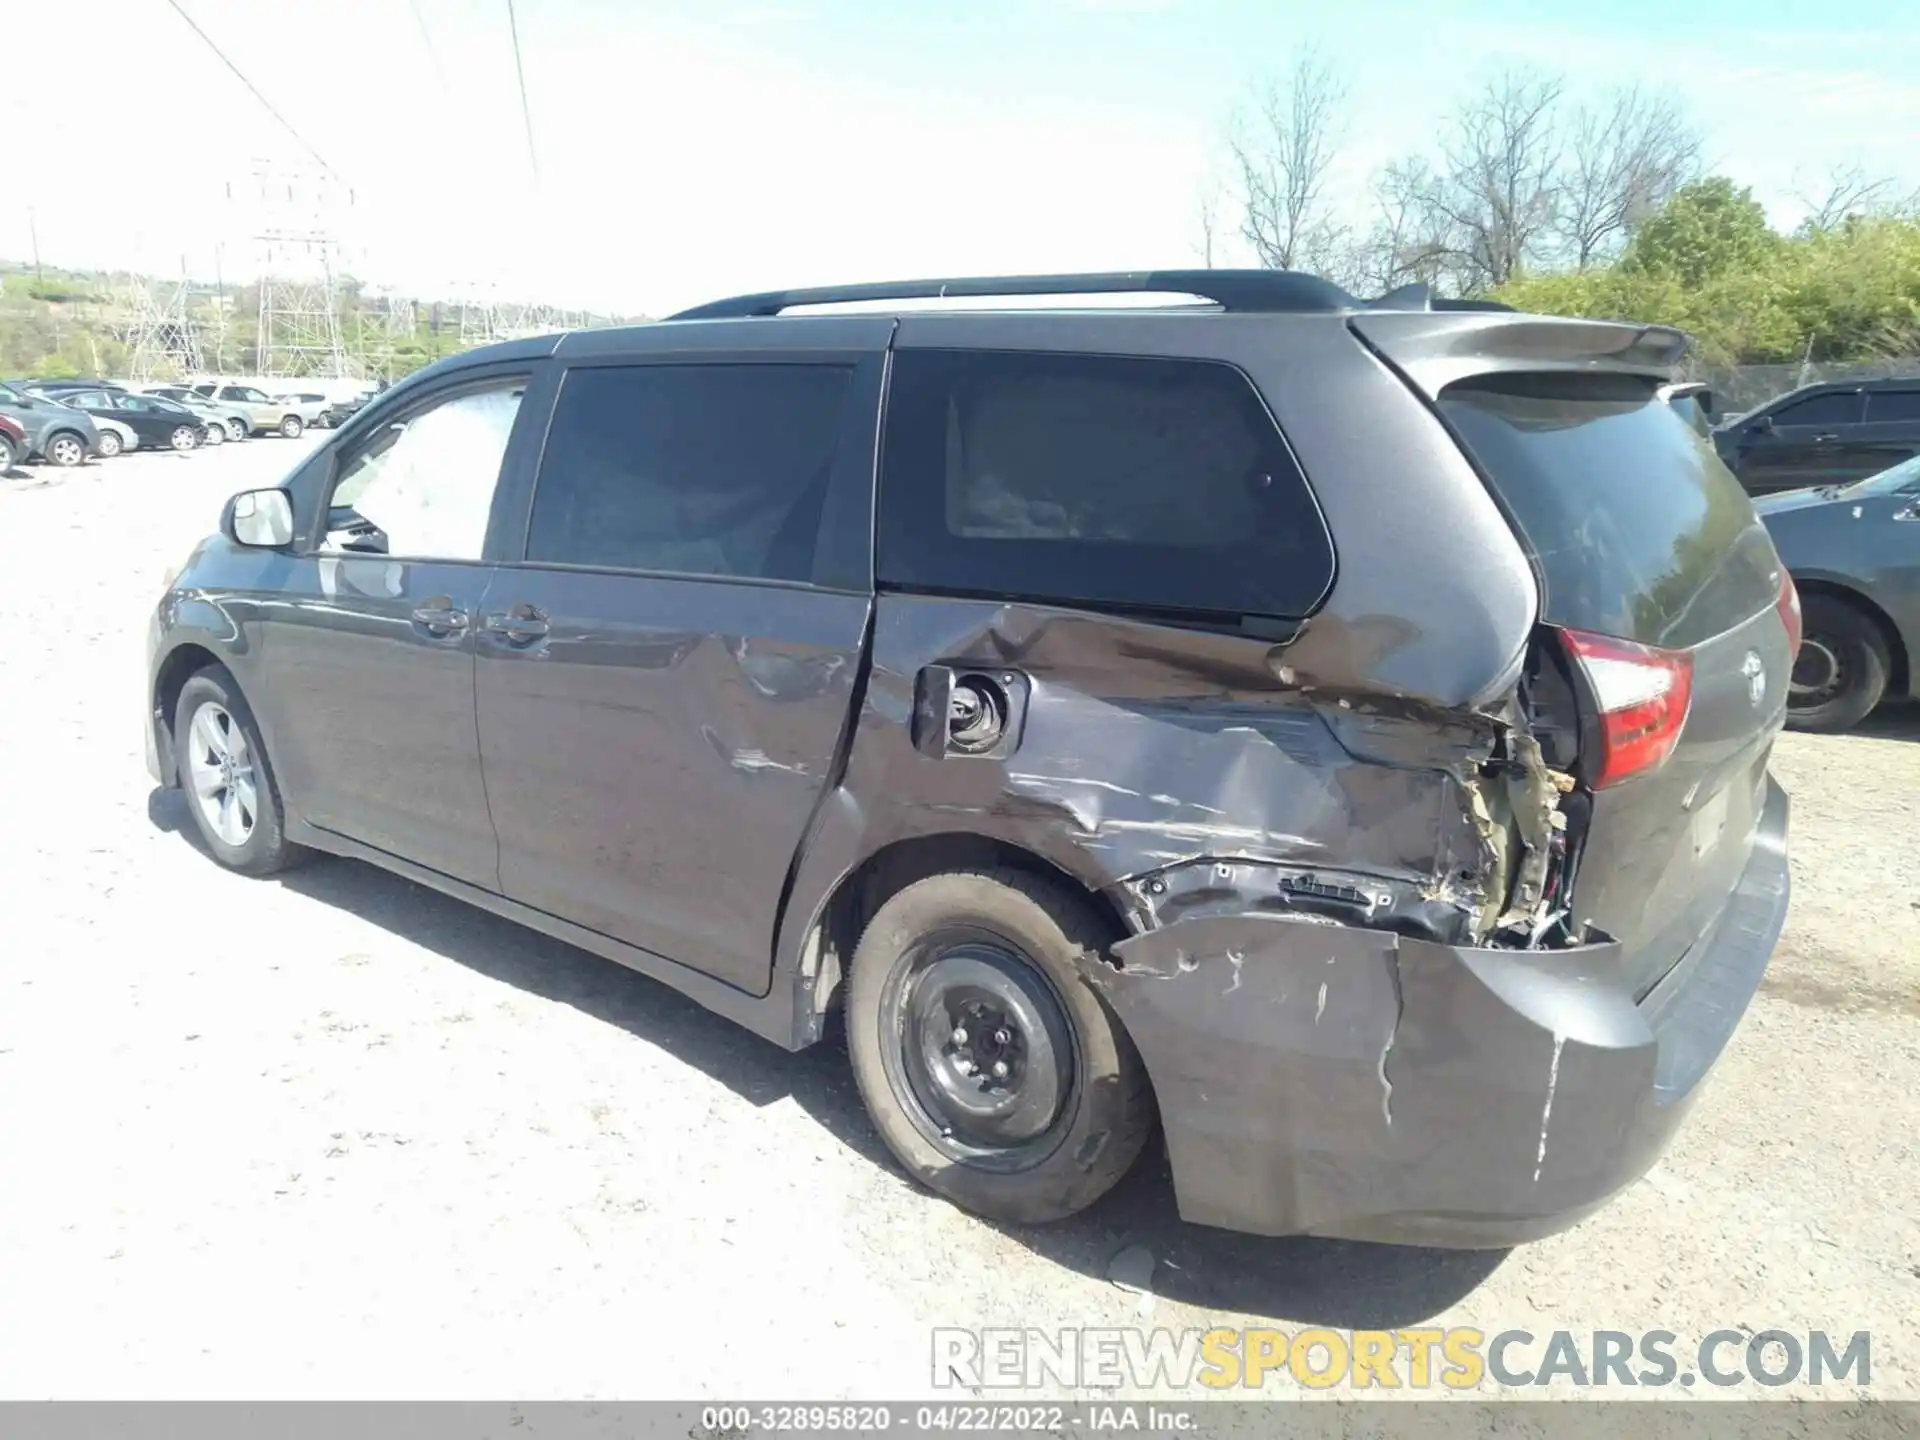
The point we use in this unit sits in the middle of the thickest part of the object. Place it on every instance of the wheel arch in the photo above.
(837, 924)
(1900, 673)
(170, 677)
(55, 431)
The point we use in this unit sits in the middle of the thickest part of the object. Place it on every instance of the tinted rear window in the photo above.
(1638, 528)
(689, 469)
(1886, 405)
(1145, 484)
(1836, 407)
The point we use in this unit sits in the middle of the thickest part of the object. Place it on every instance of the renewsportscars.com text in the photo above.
(1459, 1358)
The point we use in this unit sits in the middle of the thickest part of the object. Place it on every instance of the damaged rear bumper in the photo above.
(1325, 1079)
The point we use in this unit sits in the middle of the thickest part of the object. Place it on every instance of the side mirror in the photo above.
(262, 519)
(1761, 425)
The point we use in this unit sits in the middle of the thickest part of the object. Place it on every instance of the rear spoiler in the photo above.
(1436, 348)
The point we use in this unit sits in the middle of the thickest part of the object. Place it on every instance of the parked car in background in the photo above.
(56, 433)
(265, 415)
(343, 408)
(1693, 399)
(159, 423)
(115, 436)
(1828, 434)
(56, 387)
(1854, 551)
(1002, 695)
(311, 406)
(233, 419)
(13, 443)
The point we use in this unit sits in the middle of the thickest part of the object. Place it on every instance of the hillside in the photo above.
(56, 323)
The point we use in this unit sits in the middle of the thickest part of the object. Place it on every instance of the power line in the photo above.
(285, 124)
(426, 38)
(526, 115)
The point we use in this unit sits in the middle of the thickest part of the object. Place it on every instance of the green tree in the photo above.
(1709, 229)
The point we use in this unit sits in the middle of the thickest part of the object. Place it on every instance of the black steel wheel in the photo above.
(985, 1056)
(1841, 671)
(995, 1071)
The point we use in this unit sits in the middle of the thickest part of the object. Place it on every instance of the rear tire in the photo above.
(1000, 951)
(291, 427)
(227, 779)
(65, 450)
(8, 459)
(236, 430)
(1841, 671)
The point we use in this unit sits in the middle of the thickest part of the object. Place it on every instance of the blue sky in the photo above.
(692, 149)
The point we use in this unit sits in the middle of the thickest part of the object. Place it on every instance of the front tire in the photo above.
(184, 437)
(995, 1072)
(291, 427)
(109, 444)
(65, 450)
(216, 434)
(226, 778)
(8, 459)
(1841, 671)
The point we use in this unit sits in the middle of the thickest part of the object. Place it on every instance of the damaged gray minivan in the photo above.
(1334, 731)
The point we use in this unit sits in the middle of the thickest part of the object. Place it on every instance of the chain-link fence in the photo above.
(1739, 388)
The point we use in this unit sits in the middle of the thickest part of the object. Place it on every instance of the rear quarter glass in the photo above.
(1638, 529)
(1156, 485)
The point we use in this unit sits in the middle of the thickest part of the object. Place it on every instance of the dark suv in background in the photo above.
(1336, 732)
(1828, 434)
(55, 433)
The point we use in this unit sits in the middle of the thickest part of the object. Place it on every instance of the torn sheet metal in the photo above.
(1144, 750)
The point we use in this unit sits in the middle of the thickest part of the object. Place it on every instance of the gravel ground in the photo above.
(334, 1134)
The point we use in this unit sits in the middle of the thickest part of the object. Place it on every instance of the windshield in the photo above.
(1897, 480)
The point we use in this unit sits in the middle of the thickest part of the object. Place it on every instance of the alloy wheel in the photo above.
(183, 438)
(220, 774)
(65, 451)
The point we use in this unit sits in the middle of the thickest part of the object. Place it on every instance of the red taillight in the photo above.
(1643, 693)
(1789, 607)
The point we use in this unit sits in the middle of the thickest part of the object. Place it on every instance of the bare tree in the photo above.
(1283, 153)
(1850, 193)
(1207, 219)
(1401, 247)
(1495, 203)
(1624, 159)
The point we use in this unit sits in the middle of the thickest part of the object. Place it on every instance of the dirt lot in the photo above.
(337, 1135)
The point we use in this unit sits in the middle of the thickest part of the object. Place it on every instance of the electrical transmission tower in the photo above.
(379, 331)
(161, 339)
(298, 260)
(480, 314)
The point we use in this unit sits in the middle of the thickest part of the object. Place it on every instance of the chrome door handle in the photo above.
(517, 629)
(440, 619)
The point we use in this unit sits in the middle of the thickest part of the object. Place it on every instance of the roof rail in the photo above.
(1241, 291)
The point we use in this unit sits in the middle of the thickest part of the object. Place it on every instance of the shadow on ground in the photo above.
(1894, 720)
(1299, 1281)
